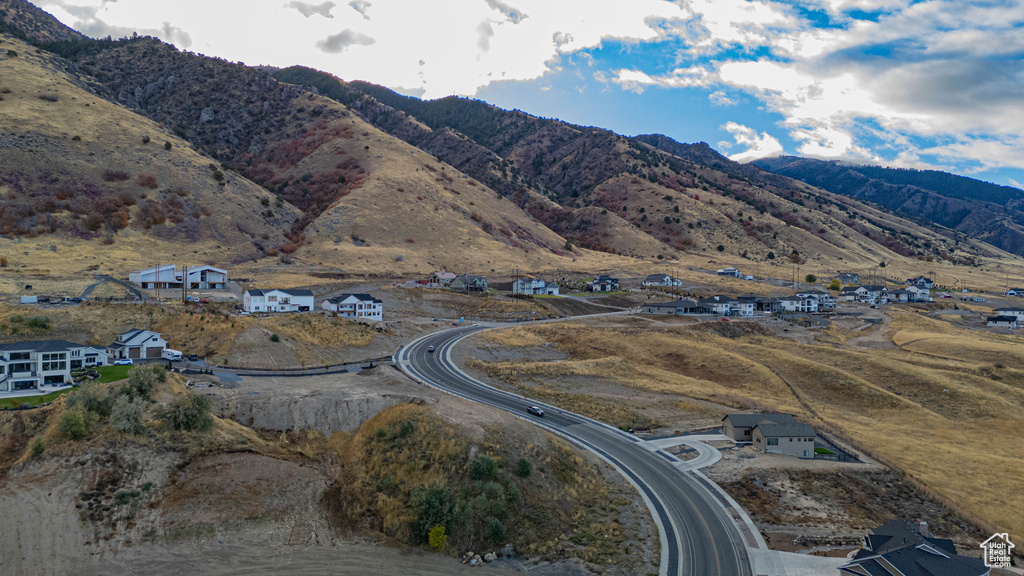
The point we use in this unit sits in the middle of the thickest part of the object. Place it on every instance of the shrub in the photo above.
(275, 338)
(511, 490)
(115, 176)
(38, 446)
(3, 262)
(12, 54)
(811, 278)
(128, 415)
(142, 380)
(434, 506)
(76, 138)
(483, 468)
(76, 423)
(145, 139)
(190, 412)
(92, 398)
(167, 146)
(721, 248)
(40, 322)
(771, 255)
(147, 181)
(496, 532)
(437, 538)
(524, 468)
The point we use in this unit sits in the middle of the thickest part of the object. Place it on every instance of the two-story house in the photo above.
(275, 300)
(528, 286)
(604, 283)
(355, 306)
(718, 304)
(469, 283)
(31, 365)
(169, 277)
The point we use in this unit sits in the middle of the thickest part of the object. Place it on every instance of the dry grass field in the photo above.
(944, 404)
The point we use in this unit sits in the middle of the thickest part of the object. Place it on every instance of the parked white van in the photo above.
(169, 354)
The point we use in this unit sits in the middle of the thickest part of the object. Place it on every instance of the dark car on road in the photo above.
(193, 357)
(536, 411)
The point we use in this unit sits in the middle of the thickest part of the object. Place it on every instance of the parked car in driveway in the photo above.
(536, 411)
(123, 362)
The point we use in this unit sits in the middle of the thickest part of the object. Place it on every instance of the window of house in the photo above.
(21, 356)
(773, 441)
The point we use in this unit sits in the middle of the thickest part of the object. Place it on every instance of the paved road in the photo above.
(697, 535)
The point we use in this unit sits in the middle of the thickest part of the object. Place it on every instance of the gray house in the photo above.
(792, 439)
(899, 548)
(848, 278)
(468, 283)
(676, 308)
(739, 427)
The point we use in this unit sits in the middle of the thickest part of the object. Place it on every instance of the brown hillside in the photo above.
(79, 168)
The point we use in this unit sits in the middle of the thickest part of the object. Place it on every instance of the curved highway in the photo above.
(698, 537)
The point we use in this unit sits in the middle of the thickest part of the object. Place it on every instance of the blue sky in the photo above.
(922, 84)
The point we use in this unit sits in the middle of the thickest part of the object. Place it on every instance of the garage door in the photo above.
(153, 352)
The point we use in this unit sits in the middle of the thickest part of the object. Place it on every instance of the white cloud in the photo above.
(637, 81)
(757, 145)
(308, 10)
(719, 98)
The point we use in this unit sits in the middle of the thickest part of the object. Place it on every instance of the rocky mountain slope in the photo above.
(992, 213)
(680, 195)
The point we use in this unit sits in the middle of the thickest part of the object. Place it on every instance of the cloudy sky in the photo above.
(922, 84)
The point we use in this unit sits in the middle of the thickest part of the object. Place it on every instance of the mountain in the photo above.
(989, 212)
(579, 167)
(75, 166)
(355, 176)
(25, 21)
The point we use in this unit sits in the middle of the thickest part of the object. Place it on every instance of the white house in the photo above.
(551, 288)
(169, 277)
(730, 271)
(825, 300)
(276, 300)
(355, 306)
(137, 343)
(875, 294)
(798, 304)
(852, 294)
(660, 280)
(1002, 322)
(528, 286)
(721, 305)
(31, 365)
(1017, 313)
(1014, 292)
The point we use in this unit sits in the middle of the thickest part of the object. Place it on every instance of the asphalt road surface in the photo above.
(698, 537)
